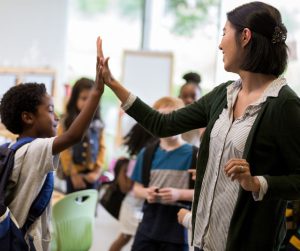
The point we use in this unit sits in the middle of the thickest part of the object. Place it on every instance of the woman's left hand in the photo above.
(239, 169)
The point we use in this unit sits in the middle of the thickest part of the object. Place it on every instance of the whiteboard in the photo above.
(148, 74)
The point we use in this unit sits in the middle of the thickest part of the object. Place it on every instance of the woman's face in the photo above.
(231, 50)
(82, 98)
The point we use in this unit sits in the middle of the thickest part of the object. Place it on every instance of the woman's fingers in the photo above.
(236, 166)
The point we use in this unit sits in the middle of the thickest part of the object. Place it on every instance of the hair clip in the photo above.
(279, 34)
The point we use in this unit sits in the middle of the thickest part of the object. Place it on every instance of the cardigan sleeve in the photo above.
(287, 186)
(191, 117)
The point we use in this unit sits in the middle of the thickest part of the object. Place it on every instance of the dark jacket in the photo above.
(272, 150)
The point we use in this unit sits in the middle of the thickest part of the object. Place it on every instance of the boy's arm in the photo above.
(186, 194)
(140, 191)
(79, 126)
(169, 194)
(65, 156)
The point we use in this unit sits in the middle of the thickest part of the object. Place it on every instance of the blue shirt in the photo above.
(169, 169)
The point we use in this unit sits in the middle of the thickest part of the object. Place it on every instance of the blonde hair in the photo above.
(172, 102)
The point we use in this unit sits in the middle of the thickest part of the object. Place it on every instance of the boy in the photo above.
(169, 184)
(27, 110)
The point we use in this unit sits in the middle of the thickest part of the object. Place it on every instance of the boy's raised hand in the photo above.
(105, 71)
(99, 68)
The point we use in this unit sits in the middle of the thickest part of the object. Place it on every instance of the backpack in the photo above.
(147, 163)
(11, 236)
(113, 195)
(292, 239)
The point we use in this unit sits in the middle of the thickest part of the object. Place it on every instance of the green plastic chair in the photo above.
(73, 219)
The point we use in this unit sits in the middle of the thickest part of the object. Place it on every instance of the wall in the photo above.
(33, 34)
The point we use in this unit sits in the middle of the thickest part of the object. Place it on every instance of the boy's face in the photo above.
(45, 122)
(166, 110)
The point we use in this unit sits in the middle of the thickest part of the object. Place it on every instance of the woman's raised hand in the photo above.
(104, 76)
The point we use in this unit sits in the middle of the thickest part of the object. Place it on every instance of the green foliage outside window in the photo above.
(187, 15)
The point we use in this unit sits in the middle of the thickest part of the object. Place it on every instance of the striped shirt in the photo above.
(219, 194)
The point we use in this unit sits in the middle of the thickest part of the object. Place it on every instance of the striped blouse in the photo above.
(219, 194)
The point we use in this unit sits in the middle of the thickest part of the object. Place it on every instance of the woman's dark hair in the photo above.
(71, 109)
(266, 52)
(21, 98)
(137, 138)
(192, 77)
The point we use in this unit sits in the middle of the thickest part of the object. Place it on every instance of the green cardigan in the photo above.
(272, 150)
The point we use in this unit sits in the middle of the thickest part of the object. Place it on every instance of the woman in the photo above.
(250, 154)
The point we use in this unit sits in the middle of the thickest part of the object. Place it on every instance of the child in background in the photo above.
(83, 161)
(131, 207)
(27, 110)
(115, 191)
(167, 190)
(190, 92)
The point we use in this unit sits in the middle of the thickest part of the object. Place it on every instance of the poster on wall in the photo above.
(148, 74)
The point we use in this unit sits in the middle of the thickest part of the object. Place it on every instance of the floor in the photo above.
(106, 230)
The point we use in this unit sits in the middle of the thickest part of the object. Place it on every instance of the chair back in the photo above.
(73, 220)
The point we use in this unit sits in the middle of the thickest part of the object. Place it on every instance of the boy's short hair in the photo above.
(18, 99)
(175, 103)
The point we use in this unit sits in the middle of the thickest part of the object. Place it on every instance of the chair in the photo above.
(73, 220)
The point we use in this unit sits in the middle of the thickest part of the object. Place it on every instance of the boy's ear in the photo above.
(27, 118)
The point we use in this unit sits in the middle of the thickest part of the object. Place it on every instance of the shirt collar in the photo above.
(271, 91)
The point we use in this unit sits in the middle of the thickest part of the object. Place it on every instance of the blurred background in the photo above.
(151, 45)
(54, 42)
